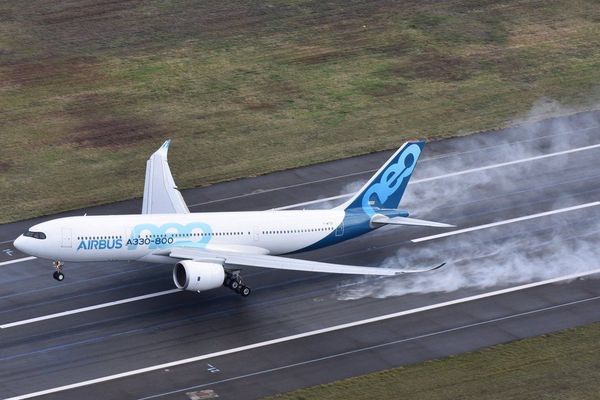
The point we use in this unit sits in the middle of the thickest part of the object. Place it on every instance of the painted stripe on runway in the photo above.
(422, 239)
(18, 260)
(373, 170)
(452, 174)
(375, 346)
(302, 335)
(85, 309)
(505, 222)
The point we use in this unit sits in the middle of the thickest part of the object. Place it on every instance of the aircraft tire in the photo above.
(234, 285)
(59, 276)
(245, 291)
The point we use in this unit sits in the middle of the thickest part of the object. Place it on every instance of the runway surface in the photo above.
(526, 202)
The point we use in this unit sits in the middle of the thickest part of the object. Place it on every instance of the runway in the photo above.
(118, 330)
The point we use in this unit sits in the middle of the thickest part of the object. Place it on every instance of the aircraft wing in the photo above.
(293, 264)
(161, 195)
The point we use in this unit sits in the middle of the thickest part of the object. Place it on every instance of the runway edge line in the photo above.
(302, 335)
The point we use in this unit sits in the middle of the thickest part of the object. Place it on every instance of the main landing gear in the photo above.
(233, 281)
(58, 274)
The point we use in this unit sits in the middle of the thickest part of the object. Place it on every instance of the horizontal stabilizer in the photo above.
(380, 219)
(161, 195)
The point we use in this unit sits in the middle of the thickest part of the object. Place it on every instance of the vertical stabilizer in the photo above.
(385, 189)
(161, 195)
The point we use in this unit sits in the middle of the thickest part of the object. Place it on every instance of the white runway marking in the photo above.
(373, 347)
(452, 174)
(90, 308)
(505, 222)
(417, 240)
(373, 170)
(18, 260)
(301, 335)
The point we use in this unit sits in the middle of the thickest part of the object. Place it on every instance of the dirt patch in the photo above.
(100, 126)
(96, 10)
(260, 106)
(386, 89)
(215, 114)
(270, 95)
(5, 166)
(115, 132)
(53, 71)
(435, 66)
(312, 55)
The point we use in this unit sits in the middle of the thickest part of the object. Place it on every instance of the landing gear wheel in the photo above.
(244, 291)
(59, 276)
(233, 280)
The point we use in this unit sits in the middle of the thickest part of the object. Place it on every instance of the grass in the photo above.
(88, 89)
(563, 365)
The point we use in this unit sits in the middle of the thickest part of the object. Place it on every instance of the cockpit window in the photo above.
(35, 235)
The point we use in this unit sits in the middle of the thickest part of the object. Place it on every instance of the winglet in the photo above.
(161, 195)
(416, 271)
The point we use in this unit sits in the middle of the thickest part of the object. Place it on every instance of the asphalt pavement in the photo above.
(526, 204)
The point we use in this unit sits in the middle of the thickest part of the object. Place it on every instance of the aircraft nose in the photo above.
(18, 243)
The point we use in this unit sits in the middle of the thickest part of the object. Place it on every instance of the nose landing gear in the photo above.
(233, 280)
(58, 274)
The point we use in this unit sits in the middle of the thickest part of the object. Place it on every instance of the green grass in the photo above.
(563, 365)
(89, 89)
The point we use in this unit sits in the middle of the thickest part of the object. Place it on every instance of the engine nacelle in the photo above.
(198, 276)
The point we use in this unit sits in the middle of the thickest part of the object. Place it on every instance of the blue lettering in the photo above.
(81, 246)
(162, 236)
(102, 244)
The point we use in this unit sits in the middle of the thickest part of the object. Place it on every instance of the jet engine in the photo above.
(198, 276)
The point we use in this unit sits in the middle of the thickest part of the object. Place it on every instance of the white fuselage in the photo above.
(149, 237)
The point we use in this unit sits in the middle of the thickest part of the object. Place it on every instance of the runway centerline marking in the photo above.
(452, 174)
(302, 335)
(85, 309)
(505, 222)
(417, 240)
(373, 347)
(18, 260)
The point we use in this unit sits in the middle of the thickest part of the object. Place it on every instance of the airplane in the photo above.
(208, 249)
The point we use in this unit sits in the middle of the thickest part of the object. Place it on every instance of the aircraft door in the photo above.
(340, 230)
(66, 238)
(256, 234)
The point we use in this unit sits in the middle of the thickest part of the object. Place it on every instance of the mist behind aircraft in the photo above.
(513, 255)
